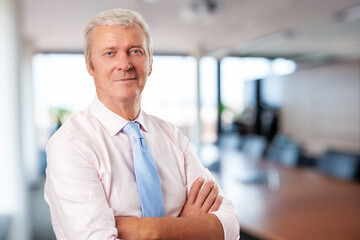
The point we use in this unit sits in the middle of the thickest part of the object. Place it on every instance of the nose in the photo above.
(123, 62)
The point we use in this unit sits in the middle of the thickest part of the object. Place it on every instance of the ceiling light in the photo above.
(200, 11)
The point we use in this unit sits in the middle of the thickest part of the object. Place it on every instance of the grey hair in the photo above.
(115, 17)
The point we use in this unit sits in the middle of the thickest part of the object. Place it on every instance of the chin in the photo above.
(128, 97)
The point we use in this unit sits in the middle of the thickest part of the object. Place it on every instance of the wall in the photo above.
(321, 107)
(13, 190)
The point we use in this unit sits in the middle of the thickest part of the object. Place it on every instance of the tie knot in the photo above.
(133, 129)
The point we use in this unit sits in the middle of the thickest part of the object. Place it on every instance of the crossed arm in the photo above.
(80, 210)
(194, 222)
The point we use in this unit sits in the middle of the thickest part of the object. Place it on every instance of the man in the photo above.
(92, 184)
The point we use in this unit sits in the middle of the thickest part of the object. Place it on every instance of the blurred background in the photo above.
(273, 82)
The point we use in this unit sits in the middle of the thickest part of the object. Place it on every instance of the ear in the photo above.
(150, 68)
(89, 69)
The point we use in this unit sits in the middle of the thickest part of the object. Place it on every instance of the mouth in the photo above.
(125, 79)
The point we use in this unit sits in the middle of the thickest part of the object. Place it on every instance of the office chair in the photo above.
(287, 155)
(254, 146)
(341, 165)
(284, 151)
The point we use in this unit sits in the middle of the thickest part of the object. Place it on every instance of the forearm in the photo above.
(206, 226)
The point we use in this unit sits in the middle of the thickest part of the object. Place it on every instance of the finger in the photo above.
(194, 191)
(203, 194)
(209, 201)
(216, 205)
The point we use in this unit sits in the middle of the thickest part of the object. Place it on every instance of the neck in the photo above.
(128, 110)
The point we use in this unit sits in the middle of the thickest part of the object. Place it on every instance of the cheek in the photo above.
(149, 69)
(146, 69)
(102, 64)
(103, 70)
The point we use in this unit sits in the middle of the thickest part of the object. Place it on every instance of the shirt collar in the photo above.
(112, 122)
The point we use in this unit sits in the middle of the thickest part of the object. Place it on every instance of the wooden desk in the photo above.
(305, 205)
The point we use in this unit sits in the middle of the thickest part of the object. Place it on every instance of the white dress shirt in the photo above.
(90, 175)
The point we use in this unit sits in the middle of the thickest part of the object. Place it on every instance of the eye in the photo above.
(136, 51)
(109, 53)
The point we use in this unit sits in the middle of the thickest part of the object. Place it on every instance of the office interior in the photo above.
(268, 92)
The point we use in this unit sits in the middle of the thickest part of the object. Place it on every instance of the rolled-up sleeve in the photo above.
(78, 205)
(226, 214)
(194, 169)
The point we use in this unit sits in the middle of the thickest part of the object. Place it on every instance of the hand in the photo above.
(202, 201)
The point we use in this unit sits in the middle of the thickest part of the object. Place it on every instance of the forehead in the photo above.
(132, 35)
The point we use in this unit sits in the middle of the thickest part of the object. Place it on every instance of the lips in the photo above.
(124, 79)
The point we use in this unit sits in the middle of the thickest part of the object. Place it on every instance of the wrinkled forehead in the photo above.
(133, 34)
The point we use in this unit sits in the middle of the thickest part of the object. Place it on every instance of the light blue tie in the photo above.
(147, 176)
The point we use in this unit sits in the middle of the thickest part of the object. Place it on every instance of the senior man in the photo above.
(116, 172)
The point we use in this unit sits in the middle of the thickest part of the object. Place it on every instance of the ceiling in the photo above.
(304, 30)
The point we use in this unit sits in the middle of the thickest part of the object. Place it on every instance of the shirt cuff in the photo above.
(228, 220)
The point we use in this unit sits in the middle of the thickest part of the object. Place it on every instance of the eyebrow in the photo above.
(131, 47)
(107, 48)
(137, 46)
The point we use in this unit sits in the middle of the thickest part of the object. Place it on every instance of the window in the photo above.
(61, 83)
(208, 96)
(171, 92)
(237, 91)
